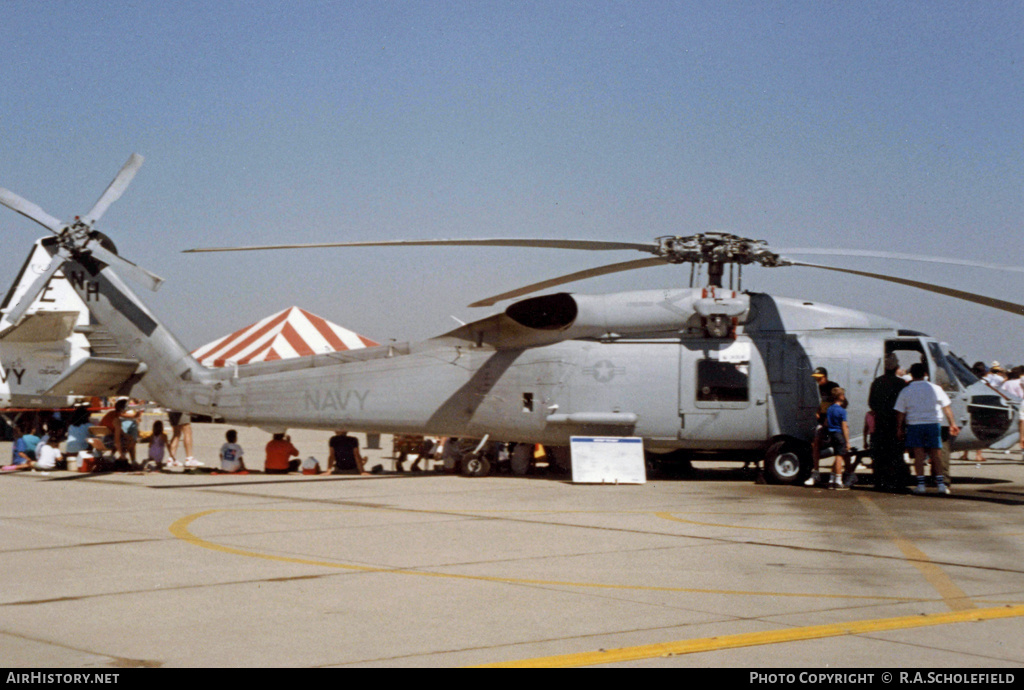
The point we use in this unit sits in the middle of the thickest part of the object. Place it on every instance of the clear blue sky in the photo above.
(838, 124)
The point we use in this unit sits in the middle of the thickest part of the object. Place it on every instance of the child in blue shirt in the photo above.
(838, 436)
(231, 454)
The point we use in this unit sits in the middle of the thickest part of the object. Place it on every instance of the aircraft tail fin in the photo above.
(55, 311)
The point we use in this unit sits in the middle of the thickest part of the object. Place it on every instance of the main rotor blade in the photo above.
(133, 271)
(590, 245)
(899, 257)
(30, 210)
(570, 278)
(15, 315)
(115, 189)
(1002, 305)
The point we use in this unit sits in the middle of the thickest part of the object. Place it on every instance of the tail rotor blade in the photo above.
(570, 278)
(135, 272)
(30, 211)
(15, 315)
(115, 189)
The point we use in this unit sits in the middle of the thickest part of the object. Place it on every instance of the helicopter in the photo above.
(698, 371)
(55, 356)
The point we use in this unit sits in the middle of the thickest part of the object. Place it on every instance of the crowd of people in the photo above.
(46, 441)
(908, 414)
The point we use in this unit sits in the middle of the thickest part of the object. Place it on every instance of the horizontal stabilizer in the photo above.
(41, 327)
(94, 376)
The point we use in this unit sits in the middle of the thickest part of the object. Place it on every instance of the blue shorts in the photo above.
(925, 436)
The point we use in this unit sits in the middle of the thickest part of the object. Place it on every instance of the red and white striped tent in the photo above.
(290, 333)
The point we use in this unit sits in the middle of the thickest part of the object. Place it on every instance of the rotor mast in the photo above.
(716, 249)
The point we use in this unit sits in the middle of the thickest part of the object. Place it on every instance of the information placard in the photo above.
(608, 460)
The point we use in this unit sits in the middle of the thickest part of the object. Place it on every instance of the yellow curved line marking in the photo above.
(955, 598)
(180, 529)
(707, 644)
(665, 515)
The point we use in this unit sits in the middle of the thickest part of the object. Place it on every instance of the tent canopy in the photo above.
(293, 332)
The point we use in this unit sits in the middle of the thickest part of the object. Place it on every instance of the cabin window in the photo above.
(527, 402)
(723, 381)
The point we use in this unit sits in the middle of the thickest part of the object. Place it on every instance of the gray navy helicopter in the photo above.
(696, 372)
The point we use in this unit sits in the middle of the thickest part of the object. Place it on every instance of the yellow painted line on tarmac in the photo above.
(710, 644)
(181, 529)
(665, 515)
(956, 599)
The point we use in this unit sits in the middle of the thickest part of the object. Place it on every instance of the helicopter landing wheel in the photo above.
(475, 466)
(522, 456)
(786, 462)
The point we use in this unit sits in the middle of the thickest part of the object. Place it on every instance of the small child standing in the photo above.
(838, 436)
(231, 454)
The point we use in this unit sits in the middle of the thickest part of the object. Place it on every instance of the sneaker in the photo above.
(918, 490)
(171, 464)
(849, 479)
(813, 479)
(192, 462)
(944, 490)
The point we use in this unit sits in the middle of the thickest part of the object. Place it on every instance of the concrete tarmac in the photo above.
(201, 570)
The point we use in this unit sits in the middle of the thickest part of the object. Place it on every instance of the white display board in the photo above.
(608, 460)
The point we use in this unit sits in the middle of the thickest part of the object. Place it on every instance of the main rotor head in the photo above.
(717, 248)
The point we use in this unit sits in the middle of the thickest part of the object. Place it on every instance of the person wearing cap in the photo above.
(825, 389)
(1014, 386)
(996, 376)
(920, 409)
(887, 465)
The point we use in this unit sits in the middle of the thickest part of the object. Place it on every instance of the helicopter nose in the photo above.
(989, 413)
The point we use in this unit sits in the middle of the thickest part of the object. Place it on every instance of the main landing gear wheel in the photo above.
(786, 462)
(475, 466)
(522, 455)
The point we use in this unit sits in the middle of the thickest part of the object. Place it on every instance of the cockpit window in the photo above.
(961, 370)
(943, 376)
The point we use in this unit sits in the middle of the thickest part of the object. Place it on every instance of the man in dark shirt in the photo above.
(344, 454)
(825, 388)
(891, 472)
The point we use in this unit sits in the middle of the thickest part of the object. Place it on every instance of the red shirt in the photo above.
(110, 420)
(278, 454)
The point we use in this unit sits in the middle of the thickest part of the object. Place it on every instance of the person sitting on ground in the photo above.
(159, 447)
(279, 453)
(78, 432)
(26, 445)
(343, 455)
(232, 457)
(48, 455)
(23, 451)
